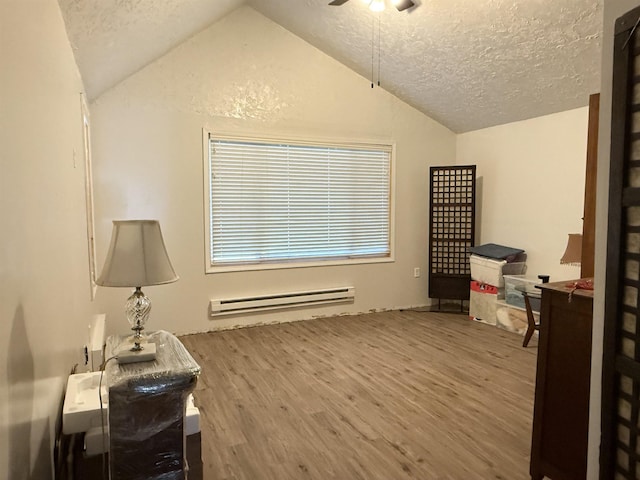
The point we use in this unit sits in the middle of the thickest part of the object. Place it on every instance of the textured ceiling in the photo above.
(113, 39)
(468, 64)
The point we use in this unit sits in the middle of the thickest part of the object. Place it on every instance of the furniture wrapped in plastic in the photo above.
(147, 410)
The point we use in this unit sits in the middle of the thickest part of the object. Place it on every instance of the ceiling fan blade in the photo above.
(337, 3)
(404, 4)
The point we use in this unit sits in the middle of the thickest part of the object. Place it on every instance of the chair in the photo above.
(532, 326)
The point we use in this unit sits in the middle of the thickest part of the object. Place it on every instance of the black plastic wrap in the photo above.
(147, 409)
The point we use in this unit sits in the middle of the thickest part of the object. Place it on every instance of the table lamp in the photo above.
(573, 253)
(137, 258)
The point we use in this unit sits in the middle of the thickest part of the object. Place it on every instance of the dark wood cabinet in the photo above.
(561, 410)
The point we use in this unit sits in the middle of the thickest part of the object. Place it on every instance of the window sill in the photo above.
(209, 269)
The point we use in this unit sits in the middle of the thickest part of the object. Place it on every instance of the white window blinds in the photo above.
(275, 202)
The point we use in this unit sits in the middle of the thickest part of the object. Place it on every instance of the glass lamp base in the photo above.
(137, 308)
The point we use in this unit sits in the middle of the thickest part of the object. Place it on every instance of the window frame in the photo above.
(89, 198)
(290, 140)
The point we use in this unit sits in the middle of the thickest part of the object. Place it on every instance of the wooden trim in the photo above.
(589, 220)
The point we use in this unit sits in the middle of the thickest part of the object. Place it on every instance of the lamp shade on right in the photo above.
(573, 252)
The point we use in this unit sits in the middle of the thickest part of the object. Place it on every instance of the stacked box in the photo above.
(487, 286)
(516, 285)
(483, 302)
(492, 271)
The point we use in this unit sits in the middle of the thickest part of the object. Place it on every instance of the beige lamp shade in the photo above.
(137, 256)
(573, 252)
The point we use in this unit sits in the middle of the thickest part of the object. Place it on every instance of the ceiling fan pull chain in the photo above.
(373, 29)
(379, 50)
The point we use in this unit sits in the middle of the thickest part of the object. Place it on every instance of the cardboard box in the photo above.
(483, 300)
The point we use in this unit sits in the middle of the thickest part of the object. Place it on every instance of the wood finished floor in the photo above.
(394, 395)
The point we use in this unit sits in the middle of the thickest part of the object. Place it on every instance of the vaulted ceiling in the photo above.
(468, 64)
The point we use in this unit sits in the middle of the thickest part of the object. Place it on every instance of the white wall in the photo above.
(44, 281)
(531, 186)
(246, 74)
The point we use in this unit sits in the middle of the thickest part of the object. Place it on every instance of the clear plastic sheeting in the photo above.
(147, 403)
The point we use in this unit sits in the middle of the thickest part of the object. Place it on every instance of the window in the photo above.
(272, 204)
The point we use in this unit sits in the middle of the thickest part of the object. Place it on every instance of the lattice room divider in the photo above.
(451, 231)
(620, 446)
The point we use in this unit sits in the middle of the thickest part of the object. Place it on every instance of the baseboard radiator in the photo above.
(259, 303)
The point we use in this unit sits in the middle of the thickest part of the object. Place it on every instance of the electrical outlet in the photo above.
(416, 272)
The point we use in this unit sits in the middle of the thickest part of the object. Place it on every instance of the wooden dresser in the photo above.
(561, 410)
